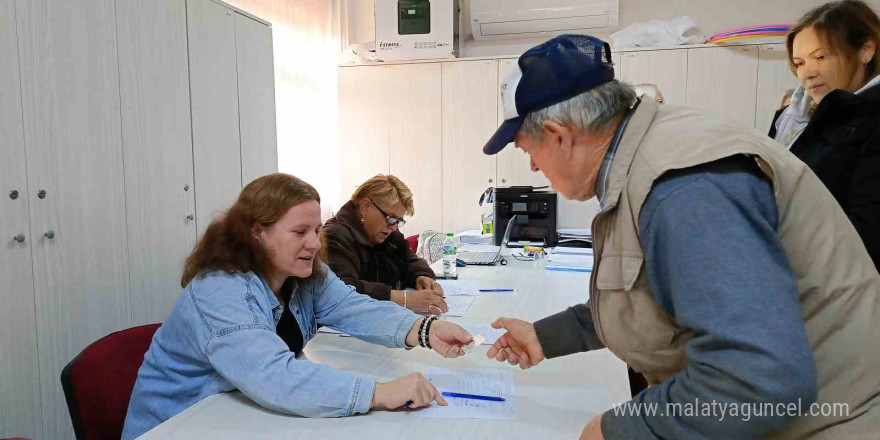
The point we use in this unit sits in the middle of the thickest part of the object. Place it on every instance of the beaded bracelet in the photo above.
(428, 331)
(423, 332)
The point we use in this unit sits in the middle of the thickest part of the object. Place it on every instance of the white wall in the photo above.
(712, 16)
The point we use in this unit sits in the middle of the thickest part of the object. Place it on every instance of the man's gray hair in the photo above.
(593, 110)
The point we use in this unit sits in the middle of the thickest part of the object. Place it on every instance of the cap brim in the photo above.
(503, 135)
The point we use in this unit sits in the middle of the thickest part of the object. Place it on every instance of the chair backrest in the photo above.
(413, 241)
(98, 382)
(431, 245)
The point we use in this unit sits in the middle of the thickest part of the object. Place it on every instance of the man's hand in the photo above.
(519, 346)
(593, 430)
(428, 283)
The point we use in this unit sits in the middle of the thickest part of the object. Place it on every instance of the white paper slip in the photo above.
(491, 334)
(495, 383)
(458, 305)
(458, 288)
(579, 259)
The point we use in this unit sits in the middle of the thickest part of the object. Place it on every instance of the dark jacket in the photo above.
(372, 269)
(841, 144)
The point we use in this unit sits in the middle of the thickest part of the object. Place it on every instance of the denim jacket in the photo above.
(220, 336)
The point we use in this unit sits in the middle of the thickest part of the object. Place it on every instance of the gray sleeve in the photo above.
(716, 264)
(567, 332)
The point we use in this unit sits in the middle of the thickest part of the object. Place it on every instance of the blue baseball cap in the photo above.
(547, 74)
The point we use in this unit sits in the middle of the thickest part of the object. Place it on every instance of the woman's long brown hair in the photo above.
(228, 243)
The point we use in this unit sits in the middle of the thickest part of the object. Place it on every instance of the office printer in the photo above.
(536, 215)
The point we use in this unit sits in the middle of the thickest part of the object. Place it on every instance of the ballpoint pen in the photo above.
(496, 290)
(472, 396)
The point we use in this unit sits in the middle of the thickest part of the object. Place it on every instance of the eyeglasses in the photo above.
(392, 221)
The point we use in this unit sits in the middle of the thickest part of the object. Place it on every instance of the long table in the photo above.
(554, 399)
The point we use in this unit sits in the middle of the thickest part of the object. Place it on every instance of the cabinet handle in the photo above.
(50, 234)
(190, 217)
(18, 237)
(490, 181)
(41, 194)
(13, 194)
(503, 180)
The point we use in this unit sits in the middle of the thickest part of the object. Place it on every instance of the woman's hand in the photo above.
(425, 301)
(428, 283)
(446, 338)
(413, 388)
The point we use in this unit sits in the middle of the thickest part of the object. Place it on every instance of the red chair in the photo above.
(413, 241)
(98, 382)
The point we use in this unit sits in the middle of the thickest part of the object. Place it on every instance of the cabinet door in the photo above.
(157, 141)
(256, 98)
(415, 154)
(667, 69)
(514, 169)
(19, 367)
(214, 100)
(470, 117)
(70, 101)
(364, 125)
(774, 79)
(723, 80)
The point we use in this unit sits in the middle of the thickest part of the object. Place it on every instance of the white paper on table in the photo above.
(458, 288)
(575, 259)
(491, 334)
(458, 305)
(496, 383)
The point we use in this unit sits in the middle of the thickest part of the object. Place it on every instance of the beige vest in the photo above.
(838, 283)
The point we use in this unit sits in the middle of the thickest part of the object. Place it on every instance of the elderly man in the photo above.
(724, 271)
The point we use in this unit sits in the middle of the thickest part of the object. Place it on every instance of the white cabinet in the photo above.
(71, 113)
(19, 365)
(365, 125)
(390, 124)
(774, 79)
(470, 117)
(414, 141)
(667, 69)
(256, 98)
(514, 169)
(214, 99)
(723, 80)
(157, 144)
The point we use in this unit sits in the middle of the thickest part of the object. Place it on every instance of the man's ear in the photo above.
(561, 134)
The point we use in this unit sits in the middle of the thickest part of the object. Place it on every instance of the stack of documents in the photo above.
(570, 259)
(574, 236)
(493, 392)
(474, 236)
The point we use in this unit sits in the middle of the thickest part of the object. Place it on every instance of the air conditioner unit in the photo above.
(508, 19)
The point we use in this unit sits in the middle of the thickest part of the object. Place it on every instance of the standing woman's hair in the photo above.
(228, 243)
(845, 26)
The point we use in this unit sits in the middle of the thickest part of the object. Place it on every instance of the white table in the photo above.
(555, 399)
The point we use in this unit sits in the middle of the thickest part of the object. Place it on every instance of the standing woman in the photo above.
(254, 292)
(366, 249)
(833, 122)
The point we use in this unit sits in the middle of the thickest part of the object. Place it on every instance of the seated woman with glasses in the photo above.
(366, 250)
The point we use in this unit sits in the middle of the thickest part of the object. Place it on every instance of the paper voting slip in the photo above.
(496, 383)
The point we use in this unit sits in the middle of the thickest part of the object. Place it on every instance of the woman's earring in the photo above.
(362, 219)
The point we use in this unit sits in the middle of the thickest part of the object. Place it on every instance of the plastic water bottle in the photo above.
(449, 256)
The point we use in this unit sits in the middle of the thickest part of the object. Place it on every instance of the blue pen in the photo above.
(496, 290)
(472, 396)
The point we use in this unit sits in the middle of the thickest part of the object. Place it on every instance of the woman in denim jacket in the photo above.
(254, 293)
